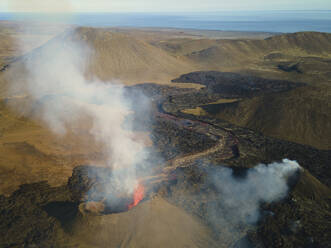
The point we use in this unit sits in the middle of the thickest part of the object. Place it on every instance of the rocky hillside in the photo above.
(111, 56)
(299, 114)
(233, 53)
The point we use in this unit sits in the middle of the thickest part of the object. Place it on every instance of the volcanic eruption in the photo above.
(122, 187)
(117, 204)
(138, 195)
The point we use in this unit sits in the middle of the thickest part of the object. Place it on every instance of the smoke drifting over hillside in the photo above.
(240, 198)
(66, 100)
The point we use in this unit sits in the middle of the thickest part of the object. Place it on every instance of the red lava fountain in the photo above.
(138, 195)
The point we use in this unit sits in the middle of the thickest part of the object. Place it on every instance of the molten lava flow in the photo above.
(138, 195)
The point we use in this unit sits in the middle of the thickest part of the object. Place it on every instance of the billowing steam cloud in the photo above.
(241, 197)
(65, 100)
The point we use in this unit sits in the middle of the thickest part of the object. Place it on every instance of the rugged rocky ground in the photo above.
(275, 107)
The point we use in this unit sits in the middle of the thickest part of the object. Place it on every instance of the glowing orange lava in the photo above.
(138, 195)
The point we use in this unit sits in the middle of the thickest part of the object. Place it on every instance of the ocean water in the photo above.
(269, 21)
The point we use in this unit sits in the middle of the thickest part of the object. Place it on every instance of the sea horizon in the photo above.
(283, 21)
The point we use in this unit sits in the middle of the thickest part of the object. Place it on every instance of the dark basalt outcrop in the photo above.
(287, 110)
(153, 90)
(289, 67)
(83, 179)
(174, 140)
(96, 184)
(254, 147)
(29, 216)
(229, 84)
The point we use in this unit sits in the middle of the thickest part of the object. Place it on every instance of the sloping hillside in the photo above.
(300, 115)
(114, 56)
(154, 223)
(250, 54)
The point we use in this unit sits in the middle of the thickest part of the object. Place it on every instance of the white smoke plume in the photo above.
(240, 198)
(64, 99)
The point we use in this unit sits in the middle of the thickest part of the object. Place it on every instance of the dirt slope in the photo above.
(301, 115)
(216, 54)
(154, 223)
(114, 56)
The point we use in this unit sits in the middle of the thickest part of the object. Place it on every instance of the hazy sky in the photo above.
(159, 5)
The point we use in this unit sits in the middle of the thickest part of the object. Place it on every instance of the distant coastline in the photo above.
(255, 21)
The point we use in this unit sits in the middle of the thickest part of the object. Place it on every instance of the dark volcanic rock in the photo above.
(236, 85)
(25, 221)
(288, 67)
(302, 220)
(153, 90)
(174, 140)
(96, 184)
(83, 180)
(255, 148)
